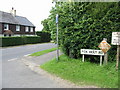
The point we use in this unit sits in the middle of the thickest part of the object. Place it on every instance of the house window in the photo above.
(27, 29)
(6, 27)
(17, 28)
(31, 29)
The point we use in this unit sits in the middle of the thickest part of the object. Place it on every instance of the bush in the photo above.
(32, 40)
(45, 36)
(94, 25)
(13, 41)
(83, 25)
(89, 30)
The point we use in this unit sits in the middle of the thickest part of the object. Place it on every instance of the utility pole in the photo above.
(57, 57)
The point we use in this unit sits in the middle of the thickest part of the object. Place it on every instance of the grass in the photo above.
(43, 52)
(85, 73)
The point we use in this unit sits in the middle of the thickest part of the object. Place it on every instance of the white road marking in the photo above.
(13, 59)
(27, 55)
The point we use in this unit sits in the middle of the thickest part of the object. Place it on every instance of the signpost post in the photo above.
(118, 56)
(104, 46)
(57, 38)
(116, 41)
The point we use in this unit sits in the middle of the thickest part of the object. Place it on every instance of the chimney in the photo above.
(13, 12)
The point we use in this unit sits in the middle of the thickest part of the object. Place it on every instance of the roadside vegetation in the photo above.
(41, 37)
(43, 52)
(85, 73)
(19, 40)
(83, 25)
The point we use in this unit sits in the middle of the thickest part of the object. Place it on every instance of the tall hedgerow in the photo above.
(84, 25)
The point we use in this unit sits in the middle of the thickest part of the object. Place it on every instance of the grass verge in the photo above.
(43, 52)
(83, 73)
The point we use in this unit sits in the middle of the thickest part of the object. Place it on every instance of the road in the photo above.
(14, 72)
(20, 51)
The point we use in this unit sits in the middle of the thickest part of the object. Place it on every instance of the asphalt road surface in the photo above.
(20, 51)
(16, 75)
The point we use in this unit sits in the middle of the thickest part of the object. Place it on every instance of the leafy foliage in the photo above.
(13, 41)
(45, 23)
(45, 36)
(84, 25)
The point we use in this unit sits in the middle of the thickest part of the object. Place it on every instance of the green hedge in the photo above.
(45, 36)
(83, 25)
(89, 29)
(13, 41)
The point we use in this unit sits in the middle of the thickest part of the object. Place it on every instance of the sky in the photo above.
(33, 10)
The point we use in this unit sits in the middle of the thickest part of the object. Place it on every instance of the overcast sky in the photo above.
(34, 10)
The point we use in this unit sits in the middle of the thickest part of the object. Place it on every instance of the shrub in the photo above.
(83, 25)
(32, 40)
(89, 30)
(13, 41)
(45, 36)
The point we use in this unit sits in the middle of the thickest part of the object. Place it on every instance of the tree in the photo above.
(84, 25)
(45, 24)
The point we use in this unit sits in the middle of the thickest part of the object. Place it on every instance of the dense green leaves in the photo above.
(14, 41)
(45, 36)
(84, 25)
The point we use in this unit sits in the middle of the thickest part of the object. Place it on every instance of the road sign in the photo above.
(92, 52)
(116, 38)
(104, 46)
(56, 18)
(116, 41)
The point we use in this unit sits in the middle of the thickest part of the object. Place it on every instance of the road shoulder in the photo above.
(35, 66)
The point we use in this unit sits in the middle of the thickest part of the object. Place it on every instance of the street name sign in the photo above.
(92, 52)
(115, 38)
(104, 46)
